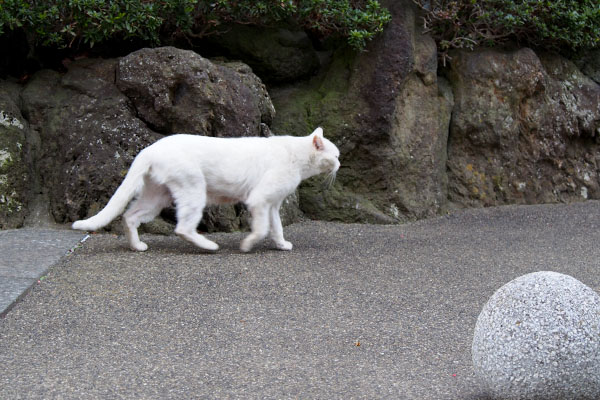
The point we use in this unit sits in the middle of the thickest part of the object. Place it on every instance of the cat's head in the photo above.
(325, 154)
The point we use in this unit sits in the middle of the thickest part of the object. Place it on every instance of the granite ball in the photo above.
(538, 337)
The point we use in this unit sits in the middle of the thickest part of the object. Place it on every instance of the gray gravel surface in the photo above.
(354, 311)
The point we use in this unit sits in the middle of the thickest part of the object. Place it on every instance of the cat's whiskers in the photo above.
(329, 180)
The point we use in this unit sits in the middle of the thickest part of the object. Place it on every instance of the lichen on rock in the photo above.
(14, 169)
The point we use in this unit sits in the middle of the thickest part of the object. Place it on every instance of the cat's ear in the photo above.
(318, 142)
(317, 132)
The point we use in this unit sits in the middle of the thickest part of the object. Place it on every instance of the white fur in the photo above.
(194, 171)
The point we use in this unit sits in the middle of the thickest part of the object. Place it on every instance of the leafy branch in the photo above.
(565, 26)
(68, 23)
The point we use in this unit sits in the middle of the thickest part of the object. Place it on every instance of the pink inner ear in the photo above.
(318, 143)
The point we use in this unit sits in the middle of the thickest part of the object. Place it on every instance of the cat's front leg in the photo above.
(260, 227)
(277, 230)
(284, 245)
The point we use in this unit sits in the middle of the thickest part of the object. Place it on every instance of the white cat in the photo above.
(193, 171)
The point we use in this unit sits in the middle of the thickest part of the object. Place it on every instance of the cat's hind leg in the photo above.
(277, 229)
(190, 199)
(145, 208)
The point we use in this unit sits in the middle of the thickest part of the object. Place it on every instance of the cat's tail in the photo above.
(131, 185)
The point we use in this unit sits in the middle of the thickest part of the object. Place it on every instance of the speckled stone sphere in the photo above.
(538, 337)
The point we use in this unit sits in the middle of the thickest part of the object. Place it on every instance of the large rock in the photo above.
(88, 136)
(524, 130)
(538, 337)
(176, 91)
(388, 114)
(15, 188)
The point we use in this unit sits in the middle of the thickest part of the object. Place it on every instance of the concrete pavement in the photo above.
(354, 311)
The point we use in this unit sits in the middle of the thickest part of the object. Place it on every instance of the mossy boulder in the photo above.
(389, 116)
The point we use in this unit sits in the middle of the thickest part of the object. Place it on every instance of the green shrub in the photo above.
(565, 26)
(67, 23)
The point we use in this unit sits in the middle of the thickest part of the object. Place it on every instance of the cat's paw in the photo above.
(246, 246)
(284, 245)
(210, 245)
(141, 246)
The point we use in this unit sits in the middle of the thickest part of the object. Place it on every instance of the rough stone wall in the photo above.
(524, 130)
(494, 127)
(497, 127)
